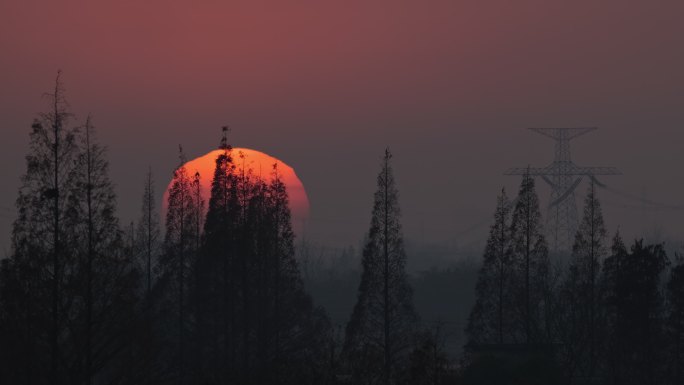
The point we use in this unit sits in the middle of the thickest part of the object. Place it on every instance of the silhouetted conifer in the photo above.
(147, 234)
(214, 293)
(105, 277)
(39, 241)
(177, 260)
(381, 328)
(634, 307)
(68, 292)
(675, 323)
(490, 318)
(529, 253)
(580, 298)
(255, 323)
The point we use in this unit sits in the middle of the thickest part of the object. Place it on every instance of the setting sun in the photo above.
(260, 164)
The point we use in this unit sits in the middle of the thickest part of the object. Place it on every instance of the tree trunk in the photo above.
(56, 250)
(386, 279)
(89, 266)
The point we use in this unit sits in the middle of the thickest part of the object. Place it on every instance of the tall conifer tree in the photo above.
(489, 320)
(580, 293)
(177, 261)
(634, 304)
(148, 231)
(255, 323)
(215, 292)
(675, 322)
(67, 247)
(530, 257)
(39, 243)
(92, 214)
(383, 321)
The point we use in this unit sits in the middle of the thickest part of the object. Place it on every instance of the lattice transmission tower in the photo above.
(563, 176)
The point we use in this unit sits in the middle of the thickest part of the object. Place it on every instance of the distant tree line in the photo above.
(214, 293)
(613, 315)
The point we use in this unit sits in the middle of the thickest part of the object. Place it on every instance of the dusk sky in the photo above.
(449, 86)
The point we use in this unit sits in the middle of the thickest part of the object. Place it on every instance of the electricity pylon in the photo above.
(563, 176)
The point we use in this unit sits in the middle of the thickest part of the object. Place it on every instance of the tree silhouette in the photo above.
(635, 307)
(39, 241)
(68, 248)
(675, 321)
(179, 250)
(490, 316)
(91, 214)
(580, 295)
(254, 322)
(529, 253)
(147, 236)
(383, 321)
(214, 292)
(428, 361)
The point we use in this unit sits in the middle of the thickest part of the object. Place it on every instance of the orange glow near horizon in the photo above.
(261, 164)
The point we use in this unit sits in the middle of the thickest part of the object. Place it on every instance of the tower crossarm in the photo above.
(563, 133)
(534, 171)
(578, 170)
(553, 171)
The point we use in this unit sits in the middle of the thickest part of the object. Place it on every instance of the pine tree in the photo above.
(488, 321)
(214, 294)
(177, 262)
(101, 227)
(289, 331)
(580, 292)
(529, 252)
(68, 252)
(105, 277)
(383, 321)
(148, 231)
(611, 274)
(255, 323)
(198, 202)
(40, 245)
(634, 303)
(675, 321)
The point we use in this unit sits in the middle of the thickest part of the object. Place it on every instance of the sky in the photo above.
(325, 86)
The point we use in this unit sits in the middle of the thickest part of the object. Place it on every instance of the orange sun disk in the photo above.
(260, 164)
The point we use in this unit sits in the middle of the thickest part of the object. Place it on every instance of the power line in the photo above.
(646, 203)
(640, 207)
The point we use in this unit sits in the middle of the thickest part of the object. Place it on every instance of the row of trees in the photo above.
(69, 291)
(231, 285)
(612, 315)
(216, 297)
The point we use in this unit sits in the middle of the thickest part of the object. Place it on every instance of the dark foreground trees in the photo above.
(67, 292)
(581, 319)
(380, 331)
(221, 302)
(32, 316)
(513, 290)
(635, 345)
(530, 258)
(491, 316)
(675, 323)
(177, 262)
(509, 329)
(616, 318)
(254, 322)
